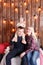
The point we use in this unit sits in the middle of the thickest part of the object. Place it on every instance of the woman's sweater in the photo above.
(31, 44)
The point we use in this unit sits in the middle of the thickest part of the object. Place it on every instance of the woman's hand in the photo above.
(23, 41)
(22, 54)
(14, 39)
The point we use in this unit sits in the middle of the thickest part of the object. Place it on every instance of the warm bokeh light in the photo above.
(39, 9)
(0, 0)
(4, 4)
(13, 30)
(27, 11)
(11, 23)
(12, 4)
(37, 0)
(25, 4)
(16, 9)
(4, 21)
(35, 16)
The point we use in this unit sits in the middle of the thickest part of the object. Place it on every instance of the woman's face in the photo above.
(20, 32)
(29, 31)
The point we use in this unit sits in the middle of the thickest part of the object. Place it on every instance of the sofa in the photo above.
(14, 61)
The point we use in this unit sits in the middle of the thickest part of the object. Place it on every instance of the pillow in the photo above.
(2, 48)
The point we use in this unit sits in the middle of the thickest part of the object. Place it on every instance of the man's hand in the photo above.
(22, 54)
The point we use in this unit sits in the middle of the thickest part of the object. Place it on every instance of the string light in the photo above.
(4, 4)
(12, 4)
(35, 16)
(25, 4)
(39, 9)
(27, 11)
(13, 30)
(16, 9)
(11, 23)
(4, 21)
(37, 0)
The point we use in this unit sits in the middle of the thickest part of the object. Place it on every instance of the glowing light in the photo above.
(13, 30)
(4, 21)
(39, 9)
(27, 11)
(12, 4)
(4, 4)
(25, 3)
(16, 9)
(35, 16)
(0, 0)
(11, 23)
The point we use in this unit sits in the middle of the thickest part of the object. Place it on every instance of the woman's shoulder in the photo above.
(29, 38)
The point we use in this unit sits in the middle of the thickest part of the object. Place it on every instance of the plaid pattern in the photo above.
(32, 44)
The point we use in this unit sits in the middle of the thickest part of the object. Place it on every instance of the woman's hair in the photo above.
(32, 32)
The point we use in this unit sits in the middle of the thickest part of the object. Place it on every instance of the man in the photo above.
(18, 42)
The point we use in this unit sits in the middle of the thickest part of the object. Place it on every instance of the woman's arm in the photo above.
(33, 47)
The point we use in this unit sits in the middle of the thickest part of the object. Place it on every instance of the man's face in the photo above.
(20, 32)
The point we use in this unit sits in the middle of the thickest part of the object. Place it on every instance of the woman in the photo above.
(18, 42)
(32, 49)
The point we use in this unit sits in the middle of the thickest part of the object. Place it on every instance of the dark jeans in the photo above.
(24, 60)
(32, 57)
(15, 52)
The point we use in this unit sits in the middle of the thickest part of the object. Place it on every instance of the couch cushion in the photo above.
(16, 61)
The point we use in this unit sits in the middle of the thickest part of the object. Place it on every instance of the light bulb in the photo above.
(16, 9)
(4, 4)
(35, 16)
(27, 11)
(25, 3)
(13, 30)
(12, 4)
(39, 9)
(37, 0)
(4, 21)
(11, 22)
